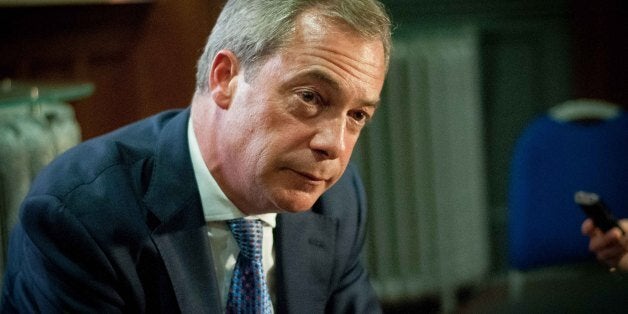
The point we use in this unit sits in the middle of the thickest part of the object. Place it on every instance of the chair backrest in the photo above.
(558, 154)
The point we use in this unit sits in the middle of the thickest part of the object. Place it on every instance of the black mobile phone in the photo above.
(594, 208)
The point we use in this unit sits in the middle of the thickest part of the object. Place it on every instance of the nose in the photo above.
(329, 139)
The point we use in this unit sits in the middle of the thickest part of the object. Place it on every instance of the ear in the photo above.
(223, 78)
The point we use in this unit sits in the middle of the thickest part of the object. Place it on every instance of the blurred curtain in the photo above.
(422, 161)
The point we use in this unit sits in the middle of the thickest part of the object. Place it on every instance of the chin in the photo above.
(295, 202)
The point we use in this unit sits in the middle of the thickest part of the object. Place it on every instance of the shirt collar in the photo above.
(216, 205)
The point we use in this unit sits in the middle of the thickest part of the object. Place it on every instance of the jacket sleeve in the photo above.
(55, 265)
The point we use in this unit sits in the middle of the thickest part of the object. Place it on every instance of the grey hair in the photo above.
(255, 29)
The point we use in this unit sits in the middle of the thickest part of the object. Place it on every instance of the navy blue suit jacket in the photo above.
(116, 225)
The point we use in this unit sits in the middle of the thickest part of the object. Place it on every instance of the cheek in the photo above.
(350, 141)
(261, 151)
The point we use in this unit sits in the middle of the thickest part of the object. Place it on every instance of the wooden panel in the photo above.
(141, 57)
(22, 3)
(600, 49)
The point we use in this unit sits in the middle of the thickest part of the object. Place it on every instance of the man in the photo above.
(136, 221)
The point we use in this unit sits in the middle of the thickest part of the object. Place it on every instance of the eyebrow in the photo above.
(328, 80)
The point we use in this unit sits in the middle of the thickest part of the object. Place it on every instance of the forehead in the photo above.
(333, 46)
(314, 28)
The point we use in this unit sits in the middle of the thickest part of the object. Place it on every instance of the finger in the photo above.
(588, 228)
(623, 240)
(603, 241)
(623, 263)
(613, 235)
(611, 255)
(612, 262)
(624, 224)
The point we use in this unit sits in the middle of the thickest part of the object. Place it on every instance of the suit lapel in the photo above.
(304, 247)
(177, 221)
(187, 255)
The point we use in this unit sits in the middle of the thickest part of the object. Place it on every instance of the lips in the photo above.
(310, 176)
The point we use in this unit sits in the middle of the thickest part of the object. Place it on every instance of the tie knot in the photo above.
(248, 234)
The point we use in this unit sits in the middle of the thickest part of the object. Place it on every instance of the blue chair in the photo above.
(578, 145)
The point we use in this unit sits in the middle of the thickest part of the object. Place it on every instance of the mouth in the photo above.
(316, 179)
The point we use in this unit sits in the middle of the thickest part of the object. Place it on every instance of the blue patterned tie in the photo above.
(248, 292)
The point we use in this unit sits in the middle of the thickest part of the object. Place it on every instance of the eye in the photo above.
(359, 116)
(310, 97)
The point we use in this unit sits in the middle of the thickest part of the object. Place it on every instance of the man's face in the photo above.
(293, 125)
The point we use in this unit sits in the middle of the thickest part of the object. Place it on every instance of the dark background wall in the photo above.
(600, 37)
(140, 56)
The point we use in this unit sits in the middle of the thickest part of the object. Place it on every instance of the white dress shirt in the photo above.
(217, 208)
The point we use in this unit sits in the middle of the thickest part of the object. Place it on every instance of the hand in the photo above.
(611, 248)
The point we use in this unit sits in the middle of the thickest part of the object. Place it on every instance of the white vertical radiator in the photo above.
(422, 161)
